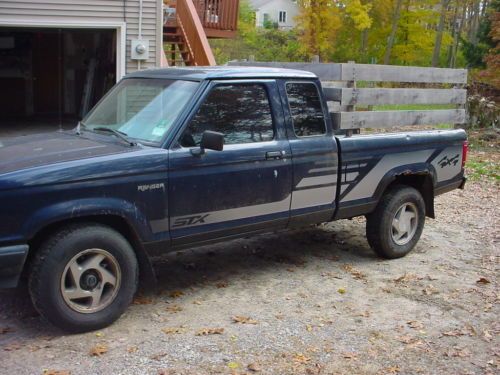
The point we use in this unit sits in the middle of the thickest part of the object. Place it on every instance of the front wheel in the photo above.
(83, 277)
(396, 225)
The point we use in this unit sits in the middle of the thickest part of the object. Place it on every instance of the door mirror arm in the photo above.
(198, 151)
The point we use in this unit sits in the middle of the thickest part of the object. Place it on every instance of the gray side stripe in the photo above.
(236, 213)
(313, 197)
(367, 186)
(317, 180)
(326, 169)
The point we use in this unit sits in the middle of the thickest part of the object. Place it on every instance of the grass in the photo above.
(479, 168)
(412, 107)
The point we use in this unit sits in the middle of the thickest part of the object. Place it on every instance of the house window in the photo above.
(282, 17)
(266, 17)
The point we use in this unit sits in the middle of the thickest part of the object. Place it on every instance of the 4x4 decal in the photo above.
(445, 161)
(189, 220)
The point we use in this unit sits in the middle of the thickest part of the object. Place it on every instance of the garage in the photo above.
(51, 77)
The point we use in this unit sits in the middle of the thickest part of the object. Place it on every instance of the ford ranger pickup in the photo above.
(181, 157)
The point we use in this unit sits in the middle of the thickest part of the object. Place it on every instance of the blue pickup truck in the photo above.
(181, 157)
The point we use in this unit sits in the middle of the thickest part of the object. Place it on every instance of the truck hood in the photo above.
(44, 149)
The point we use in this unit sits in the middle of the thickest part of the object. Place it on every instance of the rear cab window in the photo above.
(306, 109)
(240, 111)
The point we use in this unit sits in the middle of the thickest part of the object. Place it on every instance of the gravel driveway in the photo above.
(310, 301)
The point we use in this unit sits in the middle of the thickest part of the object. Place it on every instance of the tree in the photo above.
(439, 34)
(318, 23)
(491, 75)
(479, 42)
(394, 28)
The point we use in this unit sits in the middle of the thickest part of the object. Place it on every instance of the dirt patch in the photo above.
(310, 301)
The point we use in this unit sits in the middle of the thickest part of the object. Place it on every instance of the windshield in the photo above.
(142, 109)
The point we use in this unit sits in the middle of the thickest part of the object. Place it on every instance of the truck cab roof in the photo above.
(220, 72)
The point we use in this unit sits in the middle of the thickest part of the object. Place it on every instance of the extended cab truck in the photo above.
(176, 158)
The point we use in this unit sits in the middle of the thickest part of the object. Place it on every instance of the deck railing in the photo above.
(218, 14)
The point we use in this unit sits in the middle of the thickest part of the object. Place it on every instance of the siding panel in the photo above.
(86, 11)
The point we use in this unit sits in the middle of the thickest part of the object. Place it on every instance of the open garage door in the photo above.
(50, 78)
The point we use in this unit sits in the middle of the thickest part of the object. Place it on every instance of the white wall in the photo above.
(273, 8)
(94, 14)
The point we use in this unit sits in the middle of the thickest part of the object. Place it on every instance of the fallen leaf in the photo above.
(172, 330)
(165, 372)
(487, 336)
(233, 365)
(341, 290)
(350, 355)
(98, 350)
(196, 302)
(4, 330)
(405, 278)
(158, 356)
(301, 358)
(354, 272)
(173, 308)
(99, 334)
(142, 300)
(483, 280)
(392, 370)
(221, 285)
(415, 324)
(365, 314)
(176, 294)
(210, 331)
(132, 349)
(253, 367)
(243, 320)
(457, 352)
(429, 290)
(11, 347)
(309, 328)
(56, 372)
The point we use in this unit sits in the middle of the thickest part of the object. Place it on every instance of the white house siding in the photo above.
(273, 8)
(65, 13)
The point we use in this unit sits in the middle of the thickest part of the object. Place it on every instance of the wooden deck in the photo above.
(219, 18)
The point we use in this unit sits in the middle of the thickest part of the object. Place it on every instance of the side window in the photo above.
(305, 107)
(241, 112)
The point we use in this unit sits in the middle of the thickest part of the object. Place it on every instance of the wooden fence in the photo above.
(340, 87)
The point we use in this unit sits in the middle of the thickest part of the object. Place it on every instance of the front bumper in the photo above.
(12, 260)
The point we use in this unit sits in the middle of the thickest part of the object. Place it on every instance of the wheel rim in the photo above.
(404, 224)
(90, 281)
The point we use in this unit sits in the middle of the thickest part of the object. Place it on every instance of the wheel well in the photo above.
(118, 223)
(423, 183)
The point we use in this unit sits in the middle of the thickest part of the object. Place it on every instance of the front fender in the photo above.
(88, 207)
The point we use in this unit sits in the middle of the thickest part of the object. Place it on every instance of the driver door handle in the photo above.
(273, 155)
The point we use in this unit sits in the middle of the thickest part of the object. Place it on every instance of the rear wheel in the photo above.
(396, 225)
(83, 277)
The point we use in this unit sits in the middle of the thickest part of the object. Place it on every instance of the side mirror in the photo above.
(211, 141)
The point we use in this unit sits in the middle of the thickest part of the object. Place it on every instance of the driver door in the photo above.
(245, 187)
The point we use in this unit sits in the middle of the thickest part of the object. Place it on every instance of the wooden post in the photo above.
(351, 107)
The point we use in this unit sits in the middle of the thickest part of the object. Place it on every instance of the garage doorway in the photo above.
(51, 77)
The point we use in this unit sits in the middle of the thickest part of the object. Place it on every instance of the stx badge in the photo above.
(445, 161)
(190, 220)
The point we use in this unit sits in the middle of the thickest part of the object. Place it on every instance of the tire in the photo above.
(392, 238)
(83, 277)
